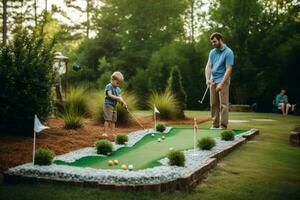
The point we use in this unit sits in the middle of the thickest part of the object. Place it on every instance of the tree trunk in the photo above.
(35, 12)
(46, 5)
(192, 21)
(87, 18)
(4, 22)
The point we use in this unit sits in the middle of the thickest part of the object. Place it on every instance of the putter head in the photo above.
(199, 101)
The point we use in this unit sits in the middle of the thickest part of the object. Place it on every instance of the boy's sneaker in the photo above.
(104, 135)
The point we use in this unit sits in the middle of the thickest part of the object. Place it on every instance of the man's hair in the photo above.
(117, 76)
(216, 35)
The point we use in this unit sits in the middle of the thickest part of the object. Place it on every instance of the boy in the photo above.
(112, 97)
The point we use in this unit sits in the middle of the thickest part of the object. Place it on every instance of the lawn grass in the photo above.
(265, 168)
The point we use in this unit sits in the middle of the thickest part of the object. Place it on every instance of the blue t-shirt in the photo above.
(115, 91)
(219, 58)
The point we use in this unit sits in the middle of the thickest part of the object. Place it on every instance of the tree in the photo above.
(26, 77)
(4, 22)
(175, 86)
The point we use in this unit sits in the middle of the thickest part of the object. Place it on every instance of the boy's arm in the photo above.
(110, 95)
(118, 98)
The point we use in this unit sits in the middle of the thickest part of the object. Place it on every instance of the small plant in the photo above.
(206, 143)
(72, 120)
(43, 156)
(104, 147)
(160, 127)
(121, 138)
(227, 135)
(176, 158)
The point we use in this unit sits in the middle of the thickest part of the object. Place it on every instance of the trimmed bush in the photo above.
(72, 119)
(43, 156)
(166, 103)
(206, 143)
(121, 138)
(96, 104)
(104, 147)
(176, 158)
(227, 135)
(26, 79)
(160, 127)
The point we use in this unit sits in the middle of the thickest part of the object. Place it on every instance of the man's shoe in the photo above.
(223, 126)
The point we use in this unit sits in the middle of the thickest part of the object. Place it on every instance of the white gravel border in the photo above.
(153, 175)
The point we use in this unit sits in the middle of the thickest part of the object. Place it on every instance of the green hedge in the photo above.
(26, 79)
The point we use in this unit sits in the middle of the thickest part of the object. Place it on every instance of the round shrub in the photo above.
(176, 158)
(104, 147)
(206, 143)
(160, 127)
(43, 157)
(121, 138)
(227, 135)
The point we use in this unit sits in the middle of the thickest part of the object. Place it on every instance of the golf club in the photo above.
(203, 95)
(134, 118)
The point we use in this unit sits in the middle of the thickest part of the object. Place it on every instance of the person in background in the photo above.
(282, 102)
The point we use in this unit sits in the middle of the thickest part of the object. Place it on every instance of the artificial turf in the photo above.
(146, 152)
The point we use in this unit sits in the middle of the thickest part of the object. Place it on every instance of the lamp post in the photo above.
(60, 67)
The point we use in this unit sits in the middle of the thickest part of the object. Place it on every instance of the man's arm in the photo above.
(208, 73)
(226, 77)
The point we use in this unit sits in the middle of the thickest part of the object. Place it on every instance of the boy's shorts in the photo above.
(110, 113)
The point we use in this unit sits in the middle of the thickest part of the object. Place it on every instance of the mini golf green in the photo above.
(146, 152)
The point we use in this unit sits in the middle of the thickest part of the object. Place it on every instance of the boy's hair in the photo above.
(117, 76)
(216, 35)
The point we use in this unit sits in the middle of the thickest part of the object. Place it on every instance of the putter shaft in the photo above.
(135, 118)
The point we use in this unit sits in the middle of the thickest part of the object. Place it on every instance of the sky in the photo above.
(78, 17)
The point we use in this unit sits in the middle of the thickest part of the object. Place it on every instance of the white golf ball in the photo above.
(170, 148)
(152, 134)
(130, 167)
(158, 140)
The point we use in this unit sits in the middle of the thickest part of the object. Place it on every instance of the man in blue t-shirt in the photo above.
(217, 73)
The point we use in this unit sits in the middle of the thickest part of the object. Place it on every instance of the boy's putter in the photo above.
(203, 95)
(135, 119)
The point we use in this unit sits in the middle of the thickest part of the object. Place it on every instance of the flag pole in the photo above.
(154, 114)
(195, 130)
(33, 152)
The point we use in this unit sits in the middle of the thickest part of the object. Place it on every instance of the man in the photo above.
(282, 102)
(217, 73)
